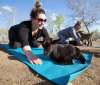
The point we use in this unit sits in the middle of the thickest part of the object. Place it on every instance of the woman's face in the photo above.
(78, 27)
(39, 21)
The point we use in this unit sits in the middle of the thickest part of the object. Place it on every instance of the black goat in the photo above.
(62, 53)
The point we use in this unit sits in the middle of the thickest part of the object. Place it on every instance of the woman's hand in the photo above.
(32, 58)
(35, 60)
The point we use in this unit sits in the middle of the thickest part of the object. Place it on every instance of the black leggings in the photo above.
(13, 43)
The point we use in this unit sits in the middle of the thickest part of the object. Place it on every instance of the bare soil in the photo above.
(14, 72)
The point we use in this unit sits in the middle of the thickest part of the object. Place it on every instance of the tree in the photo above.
(87, 10)
(59, 21)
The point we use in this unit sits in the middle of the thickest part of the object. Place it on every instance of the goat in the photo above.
(62, 53)
(86, 38)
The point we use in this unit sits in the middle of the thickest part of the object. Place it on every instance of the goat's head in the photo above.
(47, 45)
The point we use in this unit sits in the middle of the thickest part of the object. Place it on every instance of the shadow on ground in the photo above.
(44, 83)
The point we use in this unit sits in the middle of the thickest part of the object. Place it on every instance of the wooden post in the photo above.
(89, 49)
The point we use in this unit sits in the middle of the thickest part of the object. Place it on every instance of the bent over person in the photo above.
(26, 33)
(69, 35)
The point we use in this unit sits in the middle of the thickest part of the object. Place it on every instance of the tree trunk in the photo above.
(86, 26)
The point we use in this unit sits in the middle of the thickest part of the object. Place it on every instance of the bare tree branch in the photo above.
(87, 10)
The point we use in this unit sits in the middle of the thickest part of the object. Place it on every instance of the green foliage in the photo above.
(59, 21)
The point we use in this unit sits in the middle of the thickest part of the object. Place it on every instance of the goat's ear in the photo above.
(55, 41)
(78, 51)
(48, 41)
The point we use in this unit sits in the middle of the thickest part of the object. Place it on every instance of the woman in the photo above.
(26, 33)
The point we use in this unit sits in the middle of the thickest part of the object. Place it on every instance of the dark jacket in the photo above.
(23, 33)
(68, 33)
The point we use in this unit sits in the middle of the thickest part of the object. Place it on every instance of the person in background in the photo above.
(26, 33)
(70, 35)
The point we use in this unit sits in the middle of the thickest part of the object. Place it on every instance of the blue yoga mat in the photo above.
(57, 74)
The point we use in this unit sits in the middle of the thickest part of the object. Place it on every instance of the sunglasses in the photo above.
(42, 20)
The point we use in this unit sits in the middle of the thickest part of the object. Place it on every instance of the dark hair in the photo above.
(78, 23)
(36, 10)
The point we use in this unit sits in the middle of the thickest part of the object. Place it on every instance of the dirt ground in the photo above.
(14, 72)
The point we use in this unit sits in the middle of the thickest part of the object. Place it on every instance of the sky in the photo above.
(15, 11)
(22, 9)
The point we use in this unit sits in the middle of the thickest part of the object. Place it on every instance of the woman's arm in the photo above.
(32, 58)
(24, 38)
